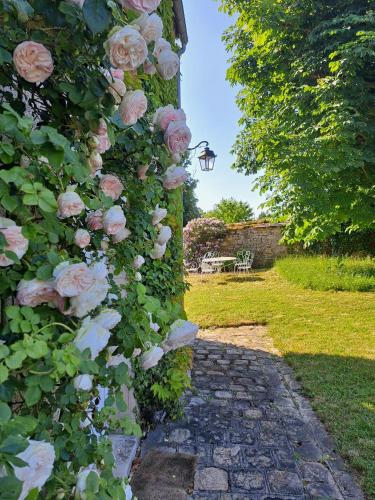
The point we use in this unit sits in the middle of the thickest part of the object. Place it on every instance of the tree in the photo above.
(230, 211)
(306, 68)
(191, 210)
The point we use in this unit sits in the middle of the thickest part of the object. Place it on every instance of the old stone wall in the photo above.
(261, 238)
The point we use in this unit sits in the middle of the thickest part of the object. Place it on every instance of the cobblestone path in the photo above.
(255, 436)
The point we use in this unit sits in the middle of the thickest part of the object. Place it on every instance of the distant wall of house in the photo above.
(261, 238)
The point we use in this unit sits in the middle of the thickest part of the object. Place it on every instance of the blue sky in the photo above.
(209, 102)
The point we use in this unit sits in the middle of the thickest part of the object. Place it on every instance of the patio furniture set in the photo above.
(212, 262)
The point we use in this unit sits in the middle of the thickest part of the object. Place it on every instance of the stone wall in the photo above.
(261, 238)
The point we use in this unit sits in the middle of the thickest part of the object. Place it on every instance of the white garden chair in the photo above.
(244, 261)
(207, 268)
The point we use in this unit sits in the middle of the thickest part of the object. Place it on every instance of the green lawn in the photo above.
(330, 273)
(328, 337)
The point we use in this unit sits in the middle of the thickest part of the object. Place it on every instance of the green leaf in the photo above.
(55, 155)
(97, 15)
(5, 413)
(32, 395)
(45, 272)
(23, 9)
(92, 482)
(37, 349)
(13, 445)
(5, 56)
(15, 360)
(10, 203)
(4, 373)
(10, 488)
(30, 199)
(47, 201)
(13, 312)
(4, 351)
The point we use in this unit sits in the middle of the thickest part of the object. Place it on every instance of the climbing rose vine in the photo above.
(88, 169)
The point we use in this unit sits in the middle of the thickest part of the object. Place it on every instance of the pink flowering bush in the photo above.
(201, 236)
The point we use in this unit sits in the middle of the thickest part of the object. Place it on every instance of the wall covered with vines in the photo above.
(90, 236)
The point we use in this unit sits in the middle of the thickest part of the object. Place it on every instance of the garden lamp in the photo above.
(206, 158)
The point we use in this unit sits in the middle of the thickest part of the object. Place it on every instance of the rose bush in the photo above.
(201, 236)
(75, 218)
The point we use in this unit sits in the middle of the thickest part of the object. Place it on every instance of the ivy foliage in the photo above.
(46, 133)
(306, 68)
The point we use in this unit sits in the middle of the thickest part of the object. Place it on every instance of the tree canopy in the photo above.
(231, 211)
(307, 71)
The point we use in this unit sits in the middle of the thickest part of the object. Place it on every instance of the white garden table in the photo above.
(218, 262)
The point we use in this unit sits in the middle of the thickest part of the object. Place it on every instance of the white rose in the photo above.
(138, 276)
(138, 262)
(160, 46)
(94, 295)
(127, 49)
(158, 215)
(168, 64)
(158, 251)
(82, 238)
(81, 481)
(69, 204)
(117, 87)
(177, 137)
(114, 220)
(108, 318)
(92, 336)
(33, 61)
(39, 457)
(181, 334)
(165, 235)
(151, 357)
(150, 26)
(72, 279)
(15, 242)
(133, 107)
(94, 220)
(121, 235)
(174, 177)
(83, 382)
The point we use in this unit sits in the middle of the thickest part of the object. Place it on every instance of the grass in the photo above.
(328, 338)
(330, 273)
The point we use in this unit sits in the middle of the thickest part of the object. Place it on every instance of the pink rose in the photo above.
(94, 220)
(69, 204)
(117, 87)
(114, 220)
(95, 162)
(150, 26)
(133, 107)
(126, 49)
(33, 61)
(82, 238)
(168, 64)
(101, 138)
(122, 235)
(161, 45)
(174, 177)
(177, 137)
(35, 292)
(148, 67)
(72, 279)
(111, 186)
(164, 116)
(141, 5)
(142, 171)
(15, 242)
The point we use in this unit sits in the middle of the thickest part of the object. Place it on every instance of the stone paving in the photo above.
(255, 436)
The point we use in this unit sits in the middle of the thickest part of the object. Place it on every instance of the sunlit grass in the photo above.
(330, 273)
(328, 337)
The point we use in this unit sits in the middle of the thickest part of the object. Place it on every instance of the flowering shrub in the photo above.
(201, 236)
(89, 275)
